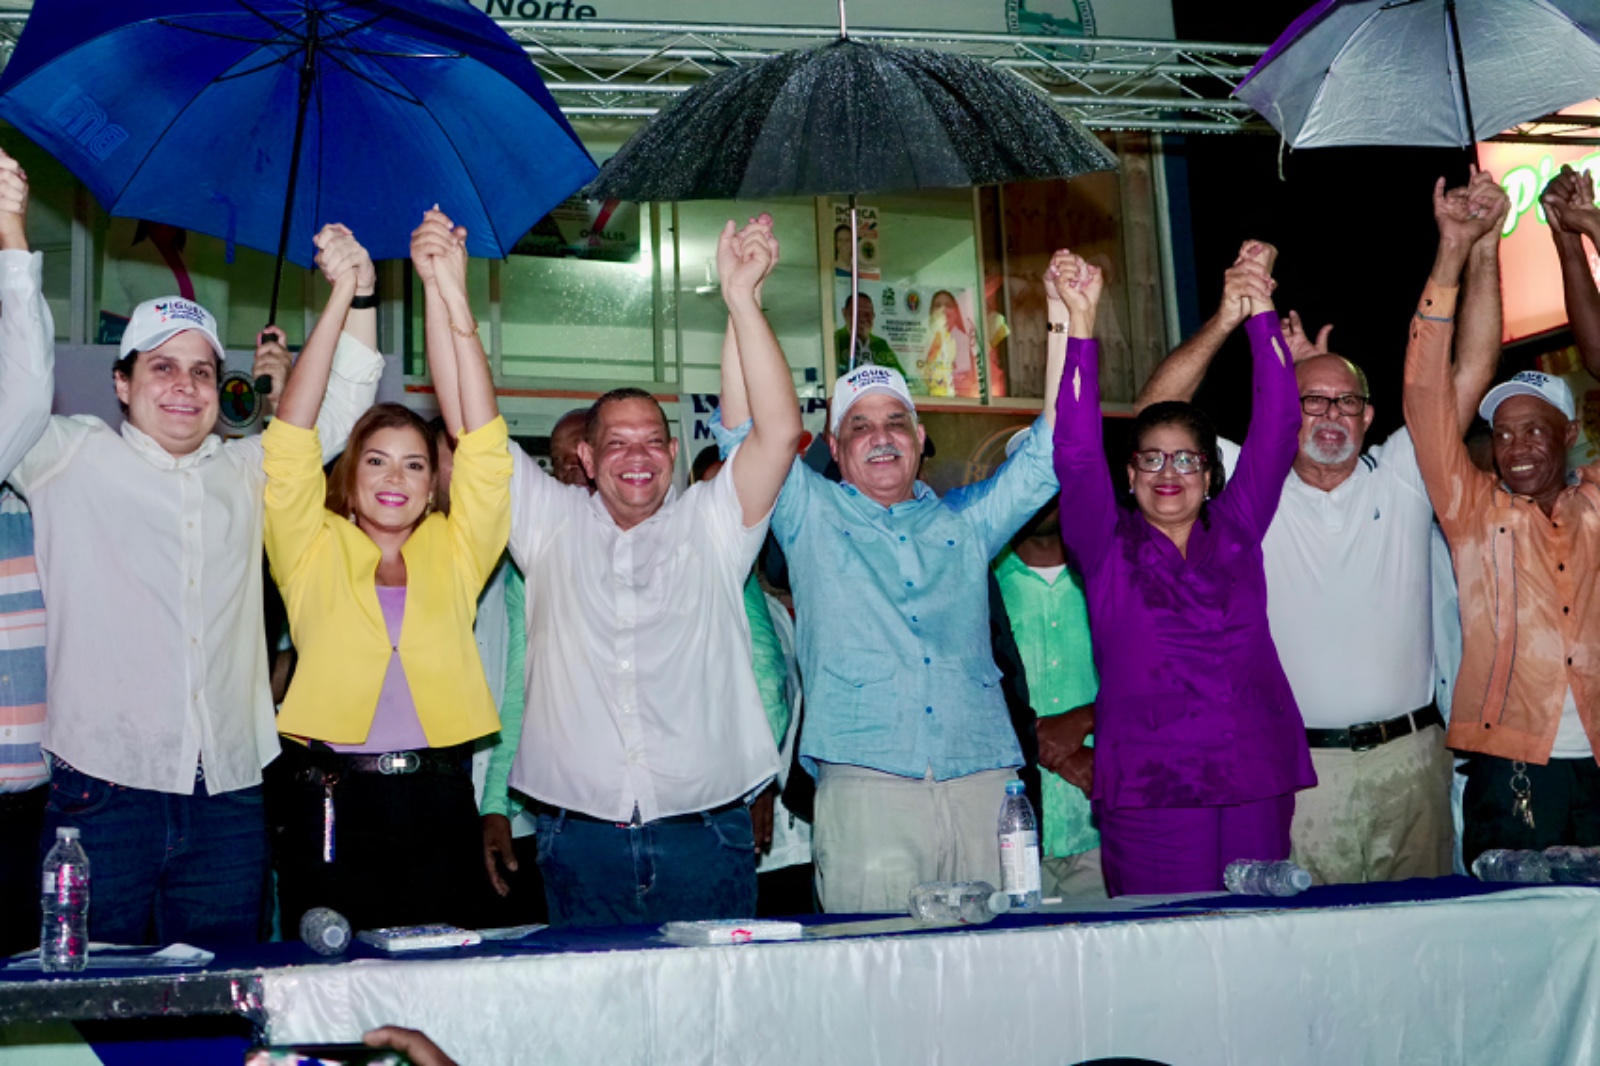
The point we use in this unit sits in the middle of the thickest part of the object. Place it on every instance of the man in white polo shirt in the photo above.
(149, 552)
(1349, 600)
(644, 735)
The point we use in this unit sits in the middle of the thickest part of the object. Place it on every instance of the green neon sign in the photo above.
(1524, 184)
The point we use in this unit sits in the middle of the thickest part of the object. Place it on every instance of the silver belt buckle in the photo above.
(398, 762)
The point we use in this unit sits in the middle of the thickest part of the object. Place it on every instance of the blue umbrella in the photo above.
(258, 121)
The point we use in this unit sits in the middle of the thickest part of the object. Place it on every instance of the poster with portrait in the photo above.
(869, 243)
(923, 331)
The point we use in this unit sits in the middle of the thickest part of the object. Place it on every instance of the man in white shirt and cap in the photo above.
(160, 713)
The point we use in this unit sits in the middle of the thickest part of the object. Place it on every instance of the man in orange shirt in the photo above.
(1526, 546)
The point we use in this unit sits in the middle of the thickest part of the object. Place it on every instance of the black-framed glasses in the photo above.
(1154, 460)
(1350, 403)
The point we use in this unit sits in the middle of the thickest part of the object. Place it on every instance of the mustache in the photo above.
(1318, 427)
(881, 450)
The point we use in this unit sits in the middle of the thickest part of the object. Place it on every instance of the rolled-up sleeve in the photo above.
(1457, 489)
(27, 357)
(1000, 505)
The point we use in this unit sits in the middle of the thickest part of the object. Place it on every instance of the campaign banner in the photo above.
(924, 331)
(602, 230)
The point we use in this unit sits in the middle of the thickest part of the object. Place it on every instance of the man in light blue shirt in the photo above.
(906, 728)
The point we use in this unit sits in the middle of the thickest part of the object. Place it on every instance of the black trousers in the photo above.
(408, 849)
(21, 822)
(1563, 796)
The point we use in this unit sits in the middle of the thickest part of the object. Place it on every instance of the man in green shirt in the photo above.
(870, 348)
(1050, 621)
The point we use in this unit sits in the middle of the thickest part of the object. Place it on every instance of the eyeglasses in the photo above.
(1349, 404)
(1154, 460)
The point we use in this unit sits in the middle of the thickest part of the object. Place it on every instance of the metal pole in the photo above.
(855, 279)
(308, 71)
(1461, 71)
(844, 31)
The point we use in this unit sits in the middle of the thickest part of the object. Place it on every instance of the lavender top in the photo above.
(395, 726)
(1194, 709)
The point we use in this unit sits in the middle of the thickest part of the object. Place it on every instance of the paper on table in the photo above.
(125, 956)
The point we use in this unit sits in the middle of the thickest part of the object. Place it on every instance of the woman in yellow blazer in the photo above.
(372, 810)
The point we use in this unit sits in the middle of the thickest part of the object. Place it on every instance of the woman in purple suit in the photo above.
(1199, 747)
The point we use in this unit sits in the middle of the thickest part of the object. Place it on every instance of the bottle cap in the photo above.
(1300, 878)
(67, 832)
(1014, 788)
(999, 903)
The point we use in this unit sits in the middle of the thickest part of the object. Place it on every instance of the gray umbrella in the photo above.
(1424, 72)
(849, 117)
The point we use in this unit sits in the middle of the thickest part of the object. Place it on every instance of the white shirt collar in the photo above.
(158, 457)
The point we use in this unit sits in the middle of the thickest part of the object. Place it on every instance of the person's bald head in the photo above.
(564, 438)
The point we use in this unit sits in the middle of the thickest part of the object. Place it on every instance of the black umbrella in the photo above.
(846, 118)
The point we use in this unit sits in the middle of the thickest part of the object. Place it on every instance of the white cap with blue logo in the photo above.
(157, 321)
(864, 381)
(1552, 390)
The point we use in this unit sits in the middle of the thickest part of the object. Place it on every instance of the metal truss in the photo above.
(629, 70)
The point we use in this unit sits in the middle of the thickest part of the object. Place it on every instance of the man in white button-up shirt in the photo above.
(644, 731)
(149, 548)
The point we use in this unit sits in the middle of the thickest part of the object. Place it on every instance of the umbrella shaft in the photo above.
(308, 70)
(1461, 70)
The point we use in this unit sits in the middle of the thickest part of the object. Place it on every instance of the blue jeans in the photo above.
(165, 868)
(696, 867)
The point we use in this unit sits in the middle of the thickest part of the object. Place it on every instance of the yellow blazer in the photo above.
(326, 568)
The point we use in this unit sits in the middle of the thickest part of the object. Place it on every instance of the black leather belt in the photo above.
(672, 819)
(392, 763)
(1364, 736)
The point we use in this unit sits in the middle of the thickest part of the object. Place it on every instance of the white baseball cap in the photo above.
(1552, 390)
(157, 321)
(864, 381)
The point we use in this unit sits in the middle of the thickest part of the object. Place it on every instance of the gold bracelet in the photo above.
(458, 331)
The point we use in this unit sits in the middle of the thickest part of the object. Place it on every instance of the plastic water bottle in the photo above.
(1253, 877)
(64, 937)
(1505, 864)
(1019, 849)
(325, 931)
(1573, 866)
(968, 902)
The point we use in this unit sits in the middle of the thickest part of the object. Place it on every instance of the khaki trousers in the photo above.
(877, 835)
(1378, 815)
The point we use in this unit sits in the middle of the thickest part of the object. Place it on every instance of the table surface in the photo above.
(231, 983)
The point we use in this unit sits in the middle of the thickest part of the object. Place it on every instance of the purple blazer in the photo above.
(1194, 709)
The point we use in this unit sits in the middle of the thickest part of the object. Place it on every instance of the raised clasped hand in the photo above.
(13, 203)
(439, 252)
(747, 256)
(342, 259)
(1073, 281)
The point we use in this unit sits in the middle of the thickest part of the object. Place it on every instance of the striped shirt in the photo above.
(22, 664)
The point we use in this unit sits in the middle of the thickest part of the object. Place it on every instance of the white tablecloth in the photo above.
(1502, 979)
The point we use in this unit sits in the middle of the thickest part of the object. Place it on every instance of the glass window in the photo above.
(137, 260)
(791, 296)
